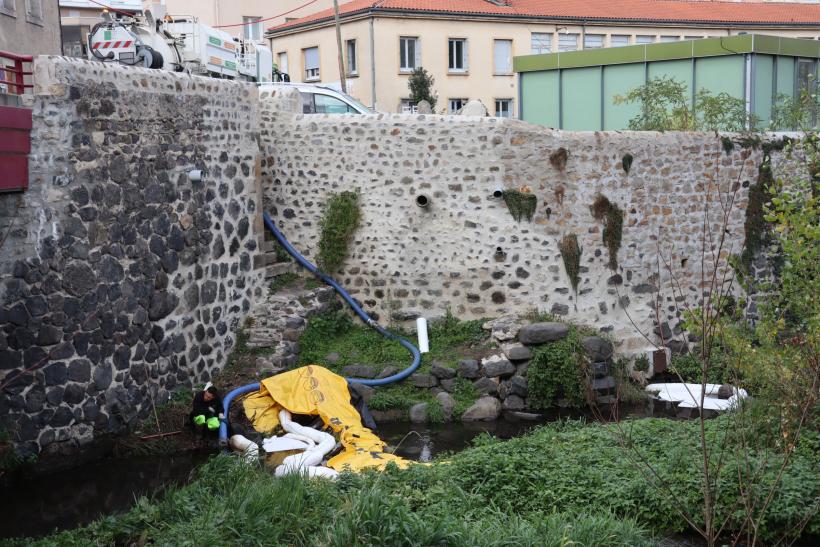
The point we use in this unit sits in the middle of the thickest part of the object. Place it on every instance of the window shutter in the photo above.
(417, 49)
(312, 58)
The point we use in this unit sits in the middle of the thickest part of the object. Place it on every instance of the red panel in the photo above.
(14, 141)
(15, 118)
(13, 173)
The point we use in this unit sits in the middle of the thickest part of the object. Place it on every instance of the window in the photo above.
(409, 53)
(325, 104)
(644, 39)
(692, 37)
(593, 41)
(503, 108)
(502, 56)
(34, 11)
(567, 42)
(7, 7)
(283, 62)
(670, 38)
(458, 55)
(618, 40)
(311, 63)
(409, 107)
(75, 40)
(252, 28)
(804, 75)
(541, 42)
(350, 50)
(454, 105)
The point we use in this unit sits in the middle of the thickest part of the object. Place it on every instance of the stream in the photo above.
(69, 499)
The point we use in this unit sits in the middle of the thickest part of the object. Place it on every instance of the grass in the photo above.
(281, 281)
(565, 483)
(450, 341)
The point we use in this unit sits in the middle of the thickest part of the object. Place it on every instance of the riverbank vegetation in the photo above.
(565, 483)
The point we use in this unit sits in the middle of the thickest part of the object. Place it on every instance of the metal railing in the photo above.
(12, 73)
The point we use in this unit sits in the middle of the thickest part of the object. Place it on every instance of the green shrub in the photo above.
(689, 368)
(337, 226)
(555, 372)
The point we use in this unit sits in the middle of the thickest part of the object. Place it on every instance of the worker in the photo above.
(207, 410)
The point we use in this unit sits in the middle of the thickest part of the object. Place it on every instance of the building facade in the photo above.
(468, 45)
(576, 90)
(29, 27)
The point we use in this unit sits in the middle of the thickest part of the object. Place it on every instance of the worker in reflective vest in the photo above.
(207, 410)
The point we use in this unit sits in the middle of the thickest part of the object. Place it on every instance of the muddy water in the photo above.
(38, 505)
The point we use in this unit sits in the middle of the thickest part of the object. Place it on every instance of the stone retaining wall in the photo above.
(464, 251)
(122, 277)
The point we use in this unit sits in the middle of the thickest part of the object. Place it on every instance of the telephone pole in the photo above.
(339, 46)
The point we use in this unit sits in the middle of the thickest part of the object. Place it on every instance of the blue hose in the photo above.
(223, 426)
(355, 307)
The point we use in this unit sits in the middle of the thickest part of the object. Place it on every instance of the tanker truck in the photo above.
(154, 39)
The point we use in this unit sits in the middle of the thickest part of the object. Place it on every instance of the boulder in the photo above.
(421, 379)
(496, 365)
(468, 368)
(486, 409)
(518, 416)
(447, 404)
(418, 413)
(539, 333)
(487, 386)
(365, 392)
(596, 348)
(514, 402)
(387, 371)
(518, 386)
(474, 108)
(503, 328)
(359, 371)
(442, 372)
(517, 352)
(448, 384)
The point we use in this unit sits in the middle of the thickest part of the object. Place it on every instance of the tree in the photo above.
(421, 87)
(665, 106)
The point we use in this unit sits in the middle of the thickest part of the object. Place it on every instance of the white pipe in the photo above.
(245, 446)
(424, 342)
(307, 462)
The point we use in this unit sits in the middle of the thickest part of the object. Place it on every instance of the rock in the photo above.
(497, 366)
(387, 371)
(418, 413)
(518, 386)
(513, 402)
(664, 330)
(503, 328)
(518, 416)
(359, 371)
(442, 372)
(365, 392)
(332, 358)
(539, 333)
(597, 349)
(79, 370)
(517, 352)
(448, 384)
(103, 375)
(421, 379)
(424, 107)
(447, 404)
(474, 108)
(488, 386)
(468, 368)
(559, 309)
(486, 409)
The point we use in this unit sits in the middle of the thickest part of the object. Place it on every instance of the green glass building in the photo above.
(574, 90)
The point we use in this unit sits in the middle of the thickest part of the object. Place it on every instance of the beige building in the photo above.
(29, 27)
(468, 45)
(243, 17)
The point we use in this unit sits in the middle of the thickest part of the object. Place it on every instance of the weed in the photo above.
(571, 254)
(281, 281)
(337, 226)
(613, 218)
(520, 204)
(626, 162)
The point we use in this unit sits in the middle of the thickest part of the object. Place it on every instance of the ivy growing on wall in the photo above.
(613, 219)
(571, 254)
(626, 162)
(337, 226)
(521, 204)
(558, 159)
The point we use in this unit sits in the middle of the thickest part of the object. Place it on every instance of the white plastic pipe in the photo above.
(424, 342)
(245, 446)
(307, 462)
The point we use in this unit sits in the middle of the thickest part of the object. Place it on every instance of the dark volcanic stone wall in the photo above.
(121, 278)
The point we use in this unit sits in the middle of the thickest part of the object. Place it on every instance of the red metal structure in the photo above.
(15, 123)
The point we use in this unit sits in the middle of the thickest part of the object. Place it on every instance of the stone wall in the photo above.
(121, 277)
(464, 251)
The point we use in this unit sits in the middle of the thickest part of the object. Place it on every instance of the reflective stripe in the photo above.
(127, 43)
(96, 45)
(106, 45)
(116, 44)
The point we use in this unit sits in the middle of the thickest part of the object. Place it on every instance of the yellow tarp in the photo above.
(314, 390)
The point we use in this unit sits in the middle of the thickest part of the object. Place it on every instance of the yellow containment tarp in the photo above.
(314, 390)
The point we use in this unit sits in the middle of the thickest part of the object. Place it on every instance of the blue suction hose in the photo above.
(223, 426)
